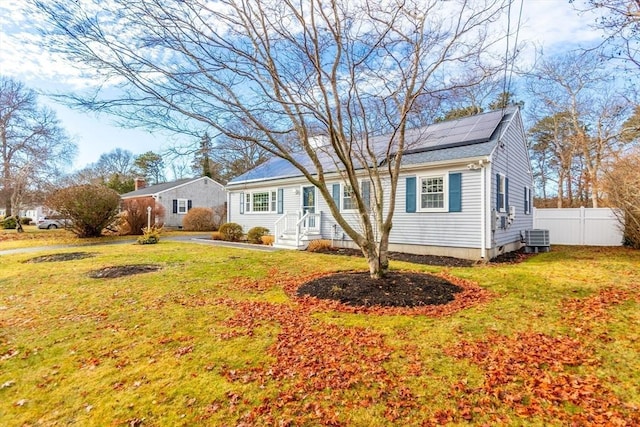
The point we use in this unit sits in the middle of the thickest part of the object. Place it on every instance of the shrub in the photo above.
(216, 235)
(134, 215)
(25, 221)
(150, 236)
(268, 240)
(199, 219)
(91, 208)
(319, 245)
(231, 232)
(255, 234)
(9, 223)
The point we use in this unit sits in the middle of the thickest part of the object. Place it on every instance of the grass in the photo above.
(215, 338)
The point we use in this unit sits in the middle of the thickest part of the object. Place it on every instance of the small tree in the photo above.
(135, 215)
(90, 208)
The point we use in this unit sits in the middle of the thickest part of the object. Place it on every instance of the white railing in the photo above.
(298, 225)
(310, 223)
(286, 224)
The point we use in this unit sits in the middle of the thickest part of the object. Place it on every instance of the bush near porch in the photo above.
(215, 336)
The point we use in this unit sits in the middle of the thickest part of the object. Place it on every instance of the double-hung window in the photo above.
(261, 201)
(348, 199)
(501, 188)
(527, 200)
(432, 193)
(183, 206)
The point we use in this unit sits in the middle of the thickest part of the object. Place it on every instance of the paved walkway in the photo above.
(204, 240)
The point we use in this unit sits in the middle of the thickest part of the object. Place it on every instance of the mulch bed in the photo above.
(122, 270)
(443, 261)
(439, 261)
(69, 256)
(396, 289)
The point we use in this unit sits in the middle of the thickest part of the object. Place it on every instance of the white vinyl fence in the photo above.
(579, 226)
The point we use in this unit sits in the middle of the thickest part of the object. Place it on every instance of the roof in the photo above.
(158, 188)
(467, 137)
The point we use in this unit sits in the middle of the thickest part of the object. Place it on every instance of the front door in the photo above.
(309, 205)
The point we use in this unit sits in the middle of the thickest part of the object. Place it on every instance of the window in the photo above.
(263, 201)
(437, 193)
(348, 201)
(501, 189)
(183, 206)
(345, 199)
(432, 195)
(527, 200)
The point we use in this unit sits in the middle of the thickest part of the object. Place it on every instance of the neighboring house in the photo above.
(178, 197)
(465, 190)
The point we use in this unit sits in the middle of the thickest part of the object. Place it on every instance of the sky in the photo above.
(553, 25)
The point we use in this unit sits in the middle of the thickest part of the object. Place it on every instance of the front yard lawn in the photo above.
(217, 336)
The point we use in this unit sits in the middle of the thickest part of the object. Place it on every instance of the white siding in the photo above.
(248, 220)
(456, 229)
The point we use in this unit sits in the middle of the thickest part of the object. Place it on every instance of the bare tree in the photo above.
(577, 89)
(348, 70)
(620, 21)
(33, 145)
(116, 169)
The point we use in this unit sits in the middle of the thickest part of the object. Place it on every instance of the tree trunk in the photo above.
(374, 260)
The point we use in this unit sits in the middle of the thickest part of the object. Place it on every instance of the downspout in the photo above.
(483, 211)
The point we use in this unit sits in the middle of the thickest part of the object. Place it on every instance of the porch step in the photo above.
(288, 240)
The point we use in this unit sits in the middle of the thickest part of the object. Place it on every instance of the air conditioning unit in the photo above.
(536, 241)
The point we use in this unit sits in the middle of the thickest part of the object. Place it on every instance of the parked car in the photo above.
(52, 223)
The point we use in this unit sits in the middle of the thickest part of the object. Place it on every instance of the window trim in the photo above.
(355, 203)
(186, 206)
(501, 188)
(527, 200)
(272, 203)
(445, 192)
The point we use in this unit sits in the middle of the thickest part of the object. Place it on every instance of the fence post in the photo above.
(583, 223)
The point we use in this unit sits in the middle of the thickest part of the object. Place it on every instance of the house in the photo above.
(179, 196)
(465, 190)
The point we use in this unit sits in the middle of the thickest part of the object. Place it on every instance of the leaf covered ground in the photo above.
(219, 336)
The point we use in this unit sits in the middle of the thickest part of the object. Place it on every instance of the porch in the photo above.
(294, 230)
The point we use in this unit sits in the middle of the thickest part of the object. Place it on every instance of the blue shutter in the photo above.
(530, 200)
(506, 194)
(280, 200)
(336, 194)
(526, 201)
(366, 193)
(498, 199)
(241, 203)
(410, 202)
(455, 192)
(189, 205)
(175, 206)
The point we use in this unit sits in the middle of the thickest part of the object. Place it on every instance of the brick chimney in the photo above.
(139, 183)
